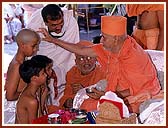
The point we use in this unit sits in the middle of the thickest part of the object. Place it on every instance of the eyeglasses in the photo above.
(84, 58)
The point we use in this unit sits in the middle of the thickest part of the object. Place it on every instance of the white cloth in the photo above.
(18, 10)
(153, 114)
(6, 30)
(9, 111)
(81, 96)
(60, 85)
(62, 58)
(16, 26)
(157, 58)
(113, 97)
(29, 9)
(8, 11)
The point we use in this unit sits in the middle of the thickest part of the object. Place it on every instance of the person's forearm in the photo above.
(124, 93)
(70, 47)
(75, 48)
(13, 97)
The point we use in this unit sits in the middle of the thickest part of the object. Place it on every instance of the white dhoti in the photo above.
(6, 31)
(9, 111)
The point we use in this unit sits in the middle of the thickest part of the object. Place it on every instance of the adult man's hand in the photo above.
(95, 94)
(76, 88)
(122, 94)
(46, 36)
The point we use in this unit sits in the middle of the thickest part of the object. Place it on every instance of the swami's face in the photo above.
(107, 41)
(85, 64)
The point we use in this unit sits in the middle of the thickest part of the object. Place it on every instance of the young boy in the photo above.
(27, 41)
(27, 106)
(45, 89)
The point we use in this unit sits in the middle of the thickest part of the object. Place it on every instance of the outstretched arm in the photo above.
(75, 48)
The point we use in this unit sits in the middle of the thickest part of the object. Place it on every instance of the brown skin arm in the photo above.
(76, 88)
(78, 49)
(124, 93)
(140, 97)
(12, 83)
(32, 109)
(44, 93)
(160, 15)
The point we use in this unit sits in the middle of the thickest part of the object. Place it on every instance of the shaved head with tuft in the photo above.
(27, 36)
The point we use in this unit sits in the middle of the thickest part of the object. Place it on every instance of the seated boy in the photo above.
(45, 91)
(27, 107)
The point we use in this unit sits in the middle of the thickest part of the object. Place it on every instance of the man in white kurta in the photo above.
(62, 58)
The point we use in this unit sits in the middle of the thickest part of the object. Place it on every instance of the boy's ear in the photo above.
(21, 44)
(34, 78)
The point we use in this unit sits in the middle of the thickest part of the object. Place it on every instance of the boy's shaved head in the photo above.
(26, 36)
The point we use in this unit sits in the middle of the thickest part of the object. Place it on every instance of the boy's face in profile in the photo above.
(41, 79)
(31, 48)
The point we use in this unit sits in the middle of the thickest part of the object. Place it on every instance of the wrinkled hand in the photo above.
(122, 94)
(95, 94)
(46, 35)
(76, 88)
(138, 98)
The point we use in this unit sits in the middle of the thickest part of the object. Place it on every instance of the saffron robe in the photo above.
(131, 69)
(74, 77)
(138, 9)
(148, 39)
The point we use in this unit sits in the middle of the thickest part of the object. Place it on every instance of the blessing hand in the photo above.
(46, 35)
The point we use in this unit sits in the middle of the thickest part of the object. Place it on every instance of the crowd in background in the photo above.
(16, 16)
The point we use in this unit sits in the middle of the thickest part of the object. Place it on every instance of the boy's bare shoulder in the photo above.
(29, 101)
(33, 102)
(13, 71)
(14, 65)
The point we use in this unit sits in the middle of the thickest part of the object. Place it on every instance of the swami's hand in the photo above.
(95, 94)
(138, 98)
(76, 88)
(46, 35)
